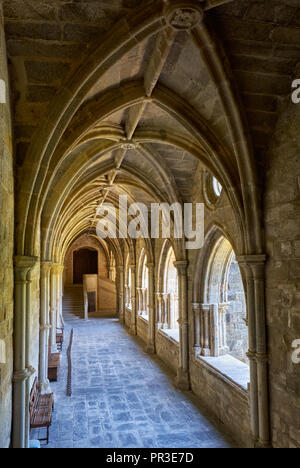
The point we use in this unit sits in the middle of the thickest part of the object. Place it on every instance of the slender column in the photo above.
(206, 321)
(121, 280)
(133, 325)
(22, 371)
(44, 327)
(258, 269)
(223, 348)
(253, 267)
(31, 370)
(165, 309)
(139, 301)
(159, 311)
(183, 377)
(197, 329)
(151, 328)
(59, 296)
(53, 307)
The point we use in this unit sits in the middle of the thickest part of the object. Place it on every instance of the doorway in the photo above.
(85, 262)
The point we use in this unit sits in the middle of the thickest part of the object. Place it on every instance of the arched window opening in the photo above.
(236, 316)
(217, 187)
(221, 320)
(169, 300)
(143, 290)
(212, 190)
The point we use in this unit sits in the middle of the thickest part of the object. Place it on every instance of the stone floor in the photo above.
(122, 397)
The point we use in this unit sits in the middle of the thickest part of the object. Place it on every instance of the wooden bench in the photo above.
(53, 365)
(40, 409)
(60, 338)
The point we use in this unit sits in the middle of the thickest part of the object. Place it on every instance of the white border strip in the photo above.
(2, 92)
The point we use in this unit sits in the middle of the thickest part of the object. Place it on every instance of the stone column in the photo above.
(121, 280)
(59, 296)
(139, 301)
(159, 311)
(197, 329)
(133, 324)
(253, 267)
(53, 307)
(183, 377)
(31, 370)
(22, 369)
(44, 327)
(151, 328)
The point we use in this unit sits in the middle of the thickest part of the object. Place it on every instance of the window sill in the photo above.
(144, 317)
(230, 369)
(172, 335)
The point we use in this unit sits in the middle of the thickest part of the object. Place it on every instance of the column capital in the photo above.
(55, 268)
(21, 376)
(45, 268)
(23, 266)
(120, 268)
(259, 259)
(150, 266)
(196, 306)
(253, 264)
(181, 266)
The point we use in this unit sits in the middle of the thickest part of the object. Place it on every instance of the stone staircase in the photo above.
(73, 302)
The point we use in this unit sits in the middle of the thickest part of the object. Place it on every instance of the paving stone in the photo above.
(115, 414)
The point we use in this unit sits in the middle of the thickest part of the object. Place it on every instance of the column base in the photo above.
(54, 349)
(133, 330)
(151, 349)
(45, 388)
(183, 380)
(258, 444)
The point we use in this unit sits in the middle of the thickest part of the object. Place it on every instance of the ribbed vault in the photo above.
(139, 130)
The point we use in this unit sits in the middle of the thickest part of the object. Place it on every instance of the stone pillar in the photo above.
(139, 301)
(151, 328)
(165, 311)
(159, 312)
(133, 324)
(44, 327)
(59, 296)
(197, 329)
(31, 370)
(183, 377)
(253, 267)
(121, 281)
(22, 369)
(53, 307)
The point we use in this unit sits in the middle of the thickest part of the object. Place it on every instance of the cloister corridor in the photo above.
(122, 397)
(150, 200)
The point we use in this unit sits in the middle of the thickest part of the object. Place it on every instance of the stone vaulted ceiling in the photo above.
(110, 147)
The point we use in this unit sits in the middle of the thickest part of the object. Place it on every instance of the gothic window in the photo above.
(169, 297)
(221, 331)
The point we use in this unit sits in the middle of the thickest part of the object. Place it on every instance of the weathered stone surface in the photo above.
(6, 252)
(283, 273)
